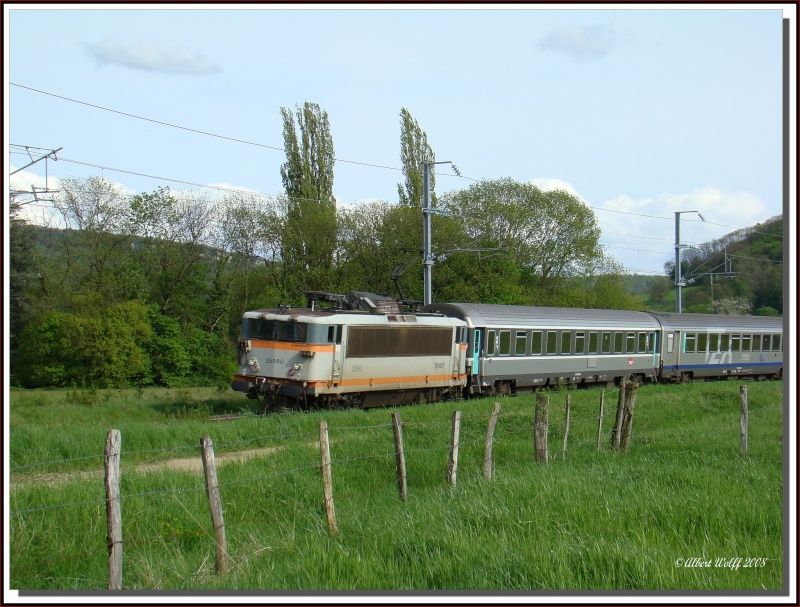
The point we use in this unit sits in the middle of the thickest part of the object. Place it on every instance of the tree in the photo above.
(21, 268)
(732, 305)
(551, 236)
(309, 236)
(414, 151)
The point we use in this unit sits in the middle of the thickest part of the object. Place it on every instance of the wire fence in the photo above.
(293, 487)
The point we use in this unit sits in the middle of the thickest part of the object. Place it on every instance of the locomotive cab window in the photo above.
(277, 330)
(334, 334)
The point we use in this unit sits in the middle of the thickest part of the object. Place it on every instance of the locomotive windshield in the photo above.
(277, 330)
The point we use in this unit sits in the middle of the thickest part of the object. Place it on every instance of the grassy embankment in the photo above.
(597, 521)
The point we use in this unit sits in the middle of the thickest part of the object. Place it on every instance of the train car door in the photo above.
(335, 336)
(476, 351)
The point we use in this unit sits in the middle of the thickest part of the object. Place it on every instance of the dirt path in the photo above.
(179, 464)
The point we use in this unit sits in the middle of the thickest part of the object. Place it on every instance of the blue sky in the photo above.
(639, 112)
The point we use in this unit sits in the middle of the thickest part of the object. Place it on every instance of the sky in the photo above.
(640, 112)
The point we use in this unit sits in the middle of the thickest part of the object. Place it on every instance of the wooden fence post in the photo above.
(540, 427)
(452, 464)
(627, 414)
(214, 503)
(745, 413)
(400, 455)
(327, 480)
(488, 462)
(616, 430)
(566, 433)
(113, 511)
(600, 419)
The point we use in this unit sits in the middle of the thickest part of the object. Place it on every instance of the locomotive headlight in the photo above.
(295, 368)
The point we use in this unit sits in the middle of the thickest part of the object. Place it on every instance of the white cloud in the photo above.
(151, 57)
(580, 42)
(640, 233)
(548, 184)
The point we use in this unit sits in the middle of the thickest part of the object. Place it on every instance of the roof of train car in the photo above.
(482, 315)
(719, 322)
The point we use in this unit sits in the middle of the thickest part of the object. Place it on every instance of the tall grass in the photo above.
(597, 521)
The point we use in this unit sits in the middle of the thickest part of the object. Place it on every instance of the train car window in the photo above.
(670, 342)
(536, 343)
(713, 343)
(690, 342)
(776, 342)
(757, 342)
(580, 342)
(522, 343)
(505, 343)
(617, 343)
(736, 341)
(745, 343)
(725, 342)
(643, 342)
(767, 343)
(460, 335)
(490, 343)
(592, 343)
(630, 342)
(566, 337)
(552, 341)
(606, 342)
(702, 342)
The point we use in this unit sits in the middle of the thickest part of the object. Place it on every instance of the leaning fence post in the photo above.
(214, 503)
(488, 462)
(113, 512)
(540, 427)
(600, 419)
(627, 415)
(452, 463)
(745, 407)
(327, 480)
(400, 455)
(616, 431)
(566, 433)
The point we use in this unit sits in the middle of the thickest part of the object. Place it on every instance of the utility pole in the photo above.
(678, 283)
(427, 255)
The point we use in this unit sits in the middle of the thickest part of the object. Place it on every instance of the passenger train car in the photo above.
(364, 351)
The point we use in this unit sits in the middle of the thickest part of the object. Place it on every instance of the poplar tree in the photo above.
(309, 237)
(414, 151)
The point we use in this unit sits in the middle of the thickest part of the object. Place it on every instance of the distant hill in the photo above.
(745, 265)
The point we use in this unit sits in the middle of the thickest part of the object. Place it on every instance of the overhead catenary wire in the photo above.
(281, 149)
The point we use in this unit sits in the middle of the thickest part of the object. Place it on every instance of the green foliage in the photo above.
(766, 311)
(103, 347)
(414, 151)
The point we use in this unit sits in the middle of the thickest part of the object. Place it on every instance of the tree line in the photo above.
(149, 289)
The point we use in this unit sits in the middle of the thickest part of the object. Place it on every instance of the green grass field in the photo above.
(645, 519)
